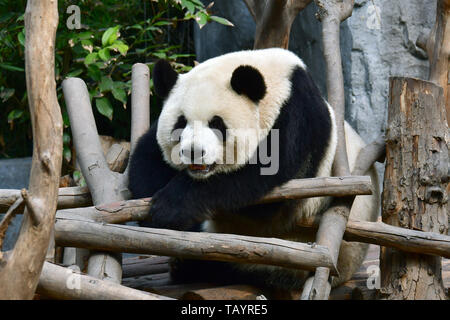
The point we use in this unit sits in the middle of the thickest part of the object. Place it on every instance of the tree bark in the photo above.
(19, 273)
(438, 48)
(415, 185)
(274, 19)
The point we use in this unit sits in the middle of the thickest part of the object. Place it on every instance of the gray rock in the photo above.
(14, 174)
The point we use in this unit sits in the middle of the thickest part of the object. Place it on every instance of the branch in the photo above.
(19, 274)
(8, 218)
(34, 211)
(274, 19)
(256, 8)
(191, 245)
(136, 210)
(63, 283)
(333, 221)
(367, 156)
(87, 143)
(382, 234)
(70, 197)
(140, 102)
(438, 49)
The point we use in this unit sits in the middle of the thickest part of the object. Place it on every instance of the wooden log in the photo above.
(63, 283)
(318, 187)
(332, 226)
(105, 185)
(176, 291)
(69, 197)
(19, 273)
(207, 246)
(75, 197)
(232, 292)
(416, 179)
(144, 265)
(147, 282)
(438, 49)
(395, 237)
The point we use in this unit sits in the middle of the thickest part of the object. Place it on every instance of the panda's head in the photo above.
(210, 118)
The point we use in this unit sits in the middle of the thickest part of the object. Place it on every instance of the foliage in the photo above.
(113, 36)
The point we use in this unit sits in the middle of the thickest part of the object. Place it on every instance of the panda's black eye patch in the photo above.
(217, 123)
(180, 124)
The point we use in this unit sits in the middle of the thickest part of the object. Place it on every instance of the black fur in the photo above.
(217, 123)
(304, 125)
(248, 81)
(180, 124)
(148, 170)
(164, 78)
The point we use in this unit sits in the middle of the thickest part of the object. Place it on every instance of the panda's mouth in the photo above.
(201, 168)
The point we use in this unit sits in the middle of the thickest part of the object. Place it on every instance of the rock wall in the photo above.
(377, 42)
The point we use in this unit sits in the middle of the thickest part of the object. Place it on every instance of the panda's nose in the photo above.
(194, 153)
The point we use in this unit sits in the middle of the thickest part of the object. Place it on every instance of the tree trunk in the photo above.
(415, 185)
(19, 273)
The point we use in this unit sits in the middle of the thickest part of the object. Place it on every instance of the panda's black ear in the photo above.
(164, 78)
(249, 81)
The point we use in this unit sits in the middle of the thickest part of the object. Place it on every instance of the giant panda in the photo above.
(234, 106)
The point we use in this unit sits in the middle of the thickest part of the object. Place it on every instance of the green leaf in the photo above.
(85, 35)
(14, 114)
(104, 54)
(11, 68)
(66, 138)
(6, 93)
(94, 72)
(106, 84)
(160, 55)
(67, 153)
(120, 46)
(201, 18)
(189, 5)
(110, 35)
(222, 21)
(120, 94)
(90, 58)
(21, 38)
(74, 73)
(104, 107)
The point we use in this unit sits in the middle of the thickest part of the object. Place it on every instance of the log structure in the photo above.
(415, 185)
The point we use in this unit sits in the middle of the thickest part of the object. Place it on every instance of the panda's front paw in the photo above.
(169, 213)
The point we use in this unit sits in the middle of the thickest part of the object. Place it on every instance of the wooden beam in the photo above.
(57, 282)
(194, 245)
(403, 239)
(332, 226)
